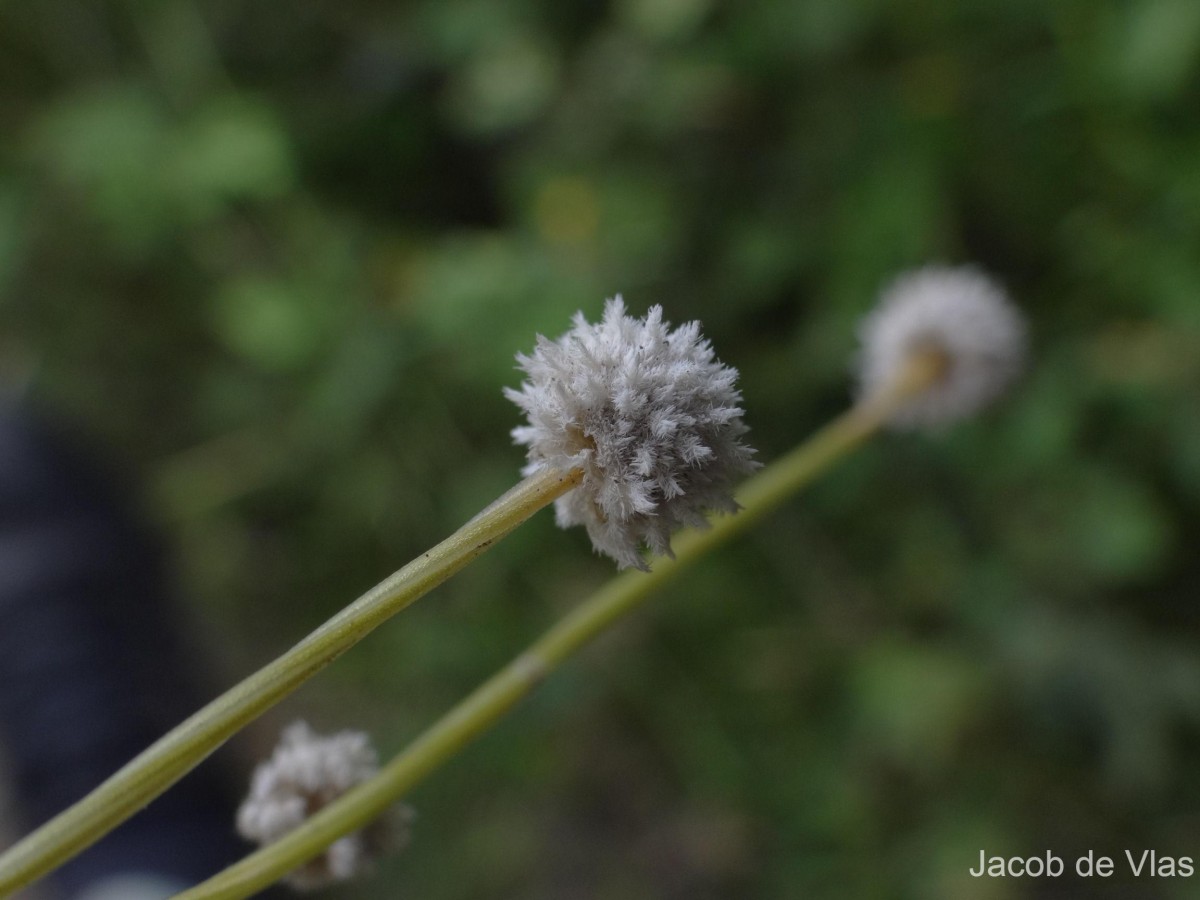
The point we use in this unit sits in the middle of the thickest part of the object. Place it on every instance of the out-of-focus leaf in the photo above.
(914, 704)
(268, 321)
(507, 84)
(1157, 46)
(108, 143)
(232, 150)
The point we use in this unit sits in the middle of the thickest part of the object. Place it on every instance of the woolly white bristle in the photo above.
(651, 416)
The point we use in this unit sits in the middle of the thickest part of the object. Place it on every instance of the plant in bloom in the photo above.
(306, 773)
(961, 315)
(633, 429)
(649, 414)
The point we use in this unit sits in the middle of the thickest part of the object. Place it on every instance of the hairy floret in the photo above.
(306, 773)
(649, 414)
(959, 313)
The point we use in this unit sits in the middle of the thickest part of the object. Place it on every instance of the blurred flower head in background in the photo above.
(960, 314)
(306, 773)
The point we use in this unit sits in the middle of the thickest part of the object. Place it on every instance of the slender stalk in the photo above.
(495, 697)
(172, 756)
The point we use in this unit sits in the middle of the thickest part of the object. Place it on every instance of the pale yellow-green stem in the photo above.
(502, 691)
(172, 756)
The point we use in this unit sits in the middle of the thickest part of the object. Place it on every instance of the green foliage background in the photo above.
(280, 256)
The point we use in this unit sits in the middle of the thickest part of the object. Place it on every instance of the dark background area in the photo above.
(276, 259)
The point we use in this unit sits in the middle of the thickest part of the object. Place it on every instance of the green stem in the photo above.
(172, 756)
(499, 694)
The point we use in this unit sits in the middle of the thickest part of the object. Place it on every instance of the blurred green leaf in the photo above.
(1157, 46)
(108, 142)
(268, 321)
(232, 150)
(915, 704)
(507, 84)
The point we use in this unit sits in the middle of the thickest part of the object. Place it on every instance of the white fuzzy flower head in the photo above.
(306, 773)
(959, 313)
(649, 414)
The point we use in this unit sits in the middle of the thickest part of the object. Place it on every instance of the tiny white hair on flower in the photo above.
(962, 315)
(651, 416)
(306, 773)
